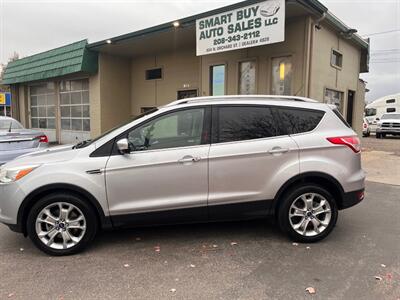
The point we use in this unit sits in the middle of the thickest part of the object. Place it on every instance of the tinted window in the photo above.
(390, 109)
(178, 129)
(154, 74)
(370, 112)
(299, 120)
(238, 123)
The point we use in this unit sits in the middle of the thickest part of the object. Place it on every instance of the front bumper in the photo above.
(388, 130)
(352, 198)
(11, 197)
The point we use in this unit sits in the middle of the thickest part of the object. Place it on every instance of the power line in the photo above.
(381, 32)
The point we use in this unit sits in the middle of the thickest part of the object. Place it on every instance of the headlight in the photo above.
(15, 174)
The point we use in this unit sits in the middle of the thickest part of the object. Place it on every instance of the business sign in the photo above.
(5, 99)
(254, 25)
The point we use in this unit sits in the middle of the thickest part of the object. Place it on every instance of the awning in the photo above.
(69, 59)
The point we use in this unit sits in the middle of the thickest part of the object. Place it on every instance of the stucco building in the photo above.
(81, 90)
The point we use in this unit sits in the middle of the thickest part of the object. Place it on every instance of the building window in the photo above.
(247, 77)
(217, 80)
(336, 59)
(147, 109)
(154, 74)
(43, 106)
(390, 109)
(5, 110)
(334, 97)
(391, 101)
(74, 105)
(282, 75)
(187, 94)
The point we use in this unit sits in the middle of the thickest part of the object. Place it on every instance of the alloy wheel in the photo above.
(60, 225)
(310, 214)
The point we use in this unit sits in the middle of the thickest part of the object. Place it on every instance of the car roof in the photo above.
(6, 118)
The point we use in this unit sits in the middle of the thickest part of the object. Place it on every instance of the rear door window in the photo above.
(239, 123)
(297, 120)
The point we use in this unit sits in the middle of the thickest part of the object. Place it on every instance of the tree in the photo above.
(3, 67)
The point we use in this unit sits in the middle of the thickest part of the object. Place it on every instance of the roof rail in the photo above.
(242, 97)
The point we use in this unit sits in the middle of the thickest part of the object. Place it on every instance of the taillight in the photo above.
(353, 142)
(43, 139)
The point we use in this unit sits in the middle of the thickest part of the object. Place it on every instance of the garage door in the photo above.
(42, 109)
(74, 111)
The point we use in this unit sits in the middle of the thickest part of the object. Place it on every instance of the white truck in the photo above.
(374, 111)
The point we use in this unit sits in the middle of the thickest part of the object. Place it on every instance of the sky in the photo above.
(31, 26)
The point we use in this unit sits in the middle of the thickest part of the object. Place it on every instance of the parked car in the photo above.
(366, 130)
(388, 124)
(15, 140)
(194, 160)
(375, 110)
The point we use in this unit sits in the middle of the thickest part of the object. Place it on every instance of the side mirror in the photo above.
(123, 146)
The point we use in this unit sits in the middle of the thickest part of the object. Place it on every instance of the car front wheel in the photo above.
(61, 224)
(308, 213)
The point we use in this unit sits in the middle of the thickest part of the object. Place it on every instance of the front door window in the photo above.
(177, 129)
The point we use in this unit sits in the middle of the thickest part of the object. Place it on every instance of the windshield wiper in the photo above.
(10, 127)
(81, 144)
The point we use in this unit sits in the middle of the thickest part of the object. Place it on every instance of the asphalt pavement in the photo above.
(241, 260)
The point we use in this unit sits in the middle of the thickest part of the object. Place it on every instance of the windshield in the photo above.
(391, 116)
(7, 124)
(89, 142)
(370, 112)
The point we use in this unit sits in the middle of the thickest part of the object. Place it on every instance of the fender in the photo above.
(313, 177)
(44, 190)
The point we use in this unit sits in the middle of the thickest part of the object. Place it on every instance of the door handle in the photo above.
(189, 159)
(278, 150)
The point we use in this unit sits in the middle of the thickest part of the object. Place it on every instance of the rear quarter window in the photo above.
(295, 120)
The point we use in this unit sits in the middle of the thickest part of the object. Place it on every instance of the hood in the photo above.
(50, 155)
(389, 121)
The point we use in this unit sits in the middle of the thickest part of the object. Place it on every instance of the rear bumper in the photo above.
(352, 198)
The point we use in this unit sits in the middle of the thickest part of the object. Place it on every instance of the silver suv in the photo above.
(194, 160)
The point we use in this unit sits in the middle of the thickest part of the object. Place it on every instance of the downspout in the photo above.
(314, 25)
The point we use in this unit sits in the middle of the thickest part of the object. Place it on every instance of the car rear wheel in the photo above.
(308, 213)
(61, 224)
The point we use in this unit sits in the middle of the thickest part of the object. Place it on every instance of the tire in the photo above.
(62, 233)
(288, 221)
(378, 135)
